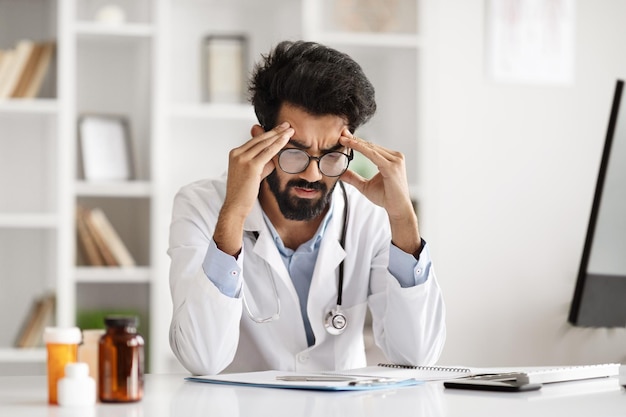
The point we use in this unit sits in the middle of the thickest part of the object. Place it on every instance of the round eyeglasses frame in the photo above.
(350, 156)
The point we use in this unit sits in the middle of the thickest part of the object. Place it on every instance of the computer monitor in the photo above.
(600, 295)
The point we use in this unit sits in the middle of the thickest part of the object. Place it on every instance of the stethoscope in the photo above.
(335, 321)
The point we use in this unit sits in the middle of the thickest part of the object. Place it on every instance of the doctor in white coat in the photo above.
(274, 265)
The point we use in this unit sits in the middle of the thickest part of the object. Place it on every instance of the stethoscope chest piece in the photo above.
(335, 322)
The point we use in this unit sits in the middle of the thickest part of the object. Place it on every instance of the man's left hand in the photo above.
(388, 188)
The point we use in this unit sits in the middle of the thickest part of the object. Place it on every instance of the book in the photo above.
(98, 241)
(39, 316)
(102, 246)
(23, 69)
(40, 70)
(11, 79)
(29, 323)
(317, 381)
(27, 71)
(5, 58)
(6, 65)
(86, 243)
(111, 238)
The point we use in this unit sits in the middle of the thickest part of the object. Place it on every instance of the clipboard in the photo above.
(317, 381)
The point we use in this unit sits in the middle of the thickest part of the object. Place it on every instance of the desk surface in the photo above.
(171, 396)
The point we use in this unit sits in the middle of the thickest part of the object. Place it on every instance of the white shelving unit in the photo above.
(148, 70)
(99, 68)
(116, 74)
(29, 106)
(29, 208)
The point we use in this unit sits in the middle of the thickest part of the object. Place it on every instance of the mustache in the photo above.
(308, 185)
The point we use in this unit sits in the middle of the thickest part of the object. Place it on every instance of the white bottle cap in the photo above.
(76, 370)
(62, 335)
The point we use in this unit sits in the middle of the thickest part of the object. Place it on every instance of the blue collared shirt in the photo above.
(224, 272)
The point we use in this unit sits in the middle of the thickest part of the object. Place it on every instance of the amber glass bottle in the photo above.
(120, 361)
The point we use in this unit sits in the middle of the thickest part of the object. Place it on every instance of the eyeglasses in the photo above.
(331, 164)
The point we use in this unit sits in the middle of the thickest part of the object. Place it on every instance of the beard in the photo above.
(295, 208)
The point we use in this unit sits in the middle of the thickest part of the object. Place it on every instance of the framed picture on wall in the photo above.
(530, 41)
(224, 68)
(104, 148)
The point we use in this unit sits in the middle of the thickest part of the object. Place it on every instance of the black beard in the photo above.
(294, 208)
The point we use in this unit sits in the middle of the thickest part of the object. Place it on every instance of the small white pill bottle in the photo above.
(77, 388)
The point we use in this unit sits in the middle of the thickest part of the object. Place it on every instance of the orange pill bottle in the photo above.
(62, 348)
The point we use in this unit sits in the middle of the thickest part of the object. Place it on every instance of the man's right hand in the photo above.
(248, 165)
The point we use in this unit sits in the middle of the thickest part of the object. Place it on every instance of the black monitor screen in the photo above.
(600, 294)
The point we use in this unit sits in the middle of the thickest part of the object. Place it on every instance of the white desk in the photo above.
(171, 396)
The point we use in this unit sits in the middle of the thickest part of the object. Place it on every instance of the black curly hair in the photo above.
(314, 77)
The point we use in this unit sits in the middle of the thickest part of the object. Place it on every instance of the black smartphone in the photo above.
(487, 385)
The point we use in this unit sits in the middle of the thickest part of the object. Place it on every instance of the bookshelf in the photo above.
(116, 76)
(98, 68)
(29, 226)
(147, 69)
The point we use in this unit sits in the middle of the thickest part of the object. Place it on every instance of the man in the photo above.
(274, 265)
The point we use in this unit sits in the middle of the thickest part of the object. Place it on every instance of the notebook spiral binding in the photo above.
(425, 368)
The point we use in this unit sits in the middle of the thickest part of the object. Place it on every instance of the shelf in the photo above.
(136, 189)
(22, 355)
(386, 40)
(24, 106)
(28, 221)
(214, 111)
(109, 275)
(128, 30)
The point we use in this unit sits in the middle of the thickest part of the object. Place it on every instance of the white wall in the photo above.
(515, 172)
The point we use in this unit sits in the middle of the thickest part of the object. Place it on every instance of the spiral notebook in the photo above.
(534, 374)
(420, 373)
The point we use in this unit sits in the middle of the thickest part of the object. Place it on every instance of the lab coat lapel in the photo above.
(323, 291)
(267, 260)
(266, 249)
(325, 276)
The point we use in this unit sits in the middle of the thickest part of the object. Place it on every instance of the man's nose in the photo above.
(312, 173)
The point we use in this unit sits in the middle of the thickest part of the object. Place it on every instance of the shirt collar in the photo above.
(308, 246)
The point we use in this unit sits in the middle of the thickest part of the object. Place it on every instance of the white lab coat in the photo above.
(211, 332)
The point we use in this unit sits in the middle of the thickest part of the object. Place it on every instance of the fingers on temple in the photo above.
(270, 142)
(378, 154)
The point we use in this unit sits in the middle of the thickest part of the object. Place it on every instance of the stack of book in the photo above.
(24, 68)
(40, 315)
(98, 241)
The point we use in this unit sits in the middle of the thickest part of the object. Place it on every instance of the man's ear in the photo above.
(257, 130)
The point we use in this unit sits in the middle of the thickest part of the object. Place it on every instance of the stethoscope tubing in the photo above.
(335, 321)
